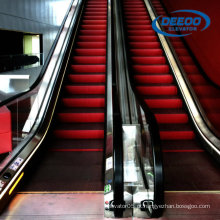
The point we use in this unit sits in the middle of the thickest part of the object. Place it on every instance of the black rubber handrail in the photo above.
(118, 158)
(113, 132)
(154, 131)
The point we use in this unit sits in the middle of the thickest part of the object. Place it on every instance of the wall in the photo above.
(34, 16)
(15, 46)
(205, 45)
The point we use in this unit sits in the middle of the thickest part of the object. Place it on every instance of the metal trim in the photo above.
(109, 147)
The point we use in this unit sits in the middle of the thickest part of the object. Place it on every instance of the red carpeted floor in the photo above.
(155, 84)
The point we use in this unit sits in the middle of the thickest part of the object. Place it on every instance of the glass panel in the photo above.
(18, 73)
(13, 117)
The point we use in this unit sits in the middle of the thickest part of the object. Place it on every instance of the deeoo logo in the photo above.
(186, 24)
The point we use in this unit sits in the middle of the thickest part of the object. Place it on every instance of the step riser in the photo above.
(85, 89)
(85, 134)
(87, 78)
(164, 103)
(84, 103)
(81, 117)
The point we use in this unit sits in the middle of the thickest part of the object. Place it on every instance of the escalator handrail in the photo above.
(127, 99)
(135, 102)
(32, 142)
(46, 63)
(112, 151)
(199, 119)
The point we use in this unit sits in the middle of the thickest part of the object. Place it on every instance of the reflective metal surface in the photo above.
(120, 72)
(123, 97)
(44, 92)
(109, 156)
(212, 142)
(131, 137)
(139, 157)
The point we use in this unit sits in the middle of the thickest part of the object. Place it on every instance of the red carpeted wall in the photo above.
(205, 45)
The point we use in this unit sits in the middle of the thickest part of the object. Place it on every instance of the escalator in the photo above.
(80, 152)
(76, 140)
(153, 81)
(64, 146)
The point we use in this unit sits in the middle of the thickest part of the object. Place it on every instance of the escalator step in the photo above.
(83, 102)
(186, 60)
(92, 45)
(138, 21)
(100, 38)
(191, 69)
(93, 22)
(139, 27)
(148, 60)
(177, 135)
(80, 126)
(81, 117)
(91, 9)
(98, 17)
(89, 60)
(164, 103)
(180, 145)
(146, 52)
(144, 45)
(142, 38)
(78, 144)
(87, 78)
(80, 89)
(92, 32)
(89, 52)
(141, 33)
(172, 118)
(153, 79)
(93, 27)
(79, 134)
(149, 69)
(88, 68)
(157, 90)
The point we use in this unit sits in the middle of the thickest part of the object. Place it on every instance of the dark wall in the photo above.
(34, 16)
(205, 45)
(11, 42)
